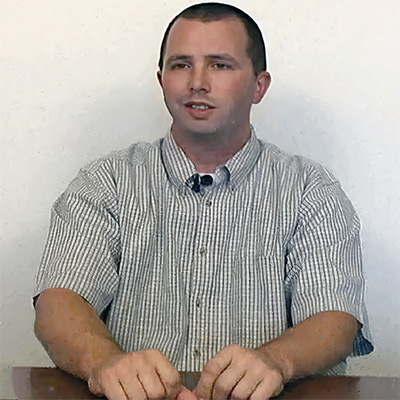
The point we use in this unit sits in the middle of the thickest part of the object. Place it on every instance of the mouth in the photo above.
(199, 106)
(199, 110)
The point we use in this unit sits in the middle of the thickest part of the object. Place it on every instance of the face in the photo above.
(208, 78)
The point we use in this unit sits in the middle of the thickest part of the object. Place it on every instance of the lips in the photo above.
(195, 105)
(199, 109)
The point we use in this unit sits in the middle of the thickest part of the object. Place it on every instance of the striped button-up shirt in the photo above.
(272, 241)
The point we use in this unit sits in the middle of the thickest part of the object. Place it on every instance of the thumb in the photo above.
(185, 394)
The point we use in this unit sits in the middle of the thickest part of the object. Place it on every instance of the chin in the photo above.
(204, 132)
(198, 129)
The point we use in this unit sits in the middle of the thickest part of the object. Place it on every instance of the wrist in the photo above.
(98, 354)
(282, 363)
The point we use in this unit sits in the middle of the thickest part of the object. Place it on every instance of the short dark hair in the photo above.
(215, 12)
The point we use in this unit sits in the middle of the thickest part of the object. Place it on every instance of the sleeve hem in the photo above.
(94, 296)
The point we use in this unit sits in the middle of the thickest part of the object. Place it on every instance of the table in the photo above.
(32, 383)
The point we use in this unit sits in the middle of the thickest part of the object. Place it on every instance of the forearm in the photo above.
(72, 333)
(81, 344)
(317, 343)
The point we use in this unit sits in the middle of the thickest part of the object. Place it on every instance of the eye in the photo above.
(179, 66)
(221, 66)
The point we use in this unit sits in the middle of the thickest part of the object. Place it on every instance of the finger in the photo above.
(185, 394)
(132, 388)
(170, 381)
(168, 376)
(152, 385)
(246, 386)
(227, 382)
(278, 390)
(211, 372)
(114, 391)
(266, 389)
(107, 385)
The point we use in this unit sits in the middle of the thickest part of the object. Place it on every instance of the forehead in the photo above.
(188, 36)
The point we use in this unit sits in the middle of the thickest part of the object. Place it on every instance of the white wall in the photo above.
(78, 80)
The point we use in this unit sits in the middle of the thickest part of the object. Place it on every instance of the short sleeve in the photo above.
(324, 263)
(82, 251)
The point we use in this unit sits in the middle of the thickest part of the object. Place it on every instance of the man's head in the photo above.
(207, 73)
(207, 12)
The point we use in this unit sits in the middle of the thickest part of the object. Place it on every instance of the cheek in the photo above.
(174, 83)
(232, 89)
(169, 90)
(237, 99)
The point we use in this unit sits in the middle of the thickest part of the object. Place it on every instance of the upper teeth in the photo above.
(201, 107)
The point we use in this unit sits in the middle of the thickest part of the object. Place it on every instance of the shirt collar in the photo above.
(179, 168)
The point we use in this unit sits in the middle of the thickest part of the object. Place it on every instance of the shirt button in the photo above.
(208, 203)
(203, 251)
(198, 303)
(196, 352)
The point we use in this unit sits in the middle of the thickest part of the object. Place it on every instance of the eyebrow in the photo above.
(178, 57)
(223, 57)
(218, 57)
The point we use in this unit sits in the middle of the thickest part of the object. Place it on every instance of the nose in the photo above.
(199, 81)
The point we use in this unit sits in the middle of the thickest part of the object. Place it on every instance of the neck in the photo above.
(209, 150)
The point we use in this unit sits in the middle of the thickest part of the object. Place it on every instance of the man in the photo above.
(208, 250)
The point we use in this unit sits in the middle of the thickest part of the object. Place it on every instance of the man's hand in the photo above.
(239, 373)
(80, 343)
(138, 375)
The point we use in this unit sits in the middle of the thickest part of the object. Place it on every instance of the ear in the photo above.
(263, 80)
(159, 78)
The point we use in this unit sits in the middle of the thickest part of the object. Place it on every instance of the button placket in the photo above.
(201, 272)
